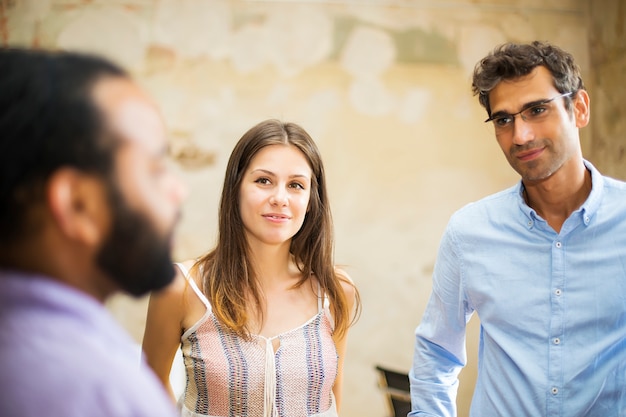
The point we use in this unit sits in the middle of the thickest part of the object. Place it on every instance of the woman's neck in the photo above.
(273, 264)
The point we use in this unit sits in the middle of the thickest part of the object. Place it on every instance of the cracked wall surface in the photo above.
(384, 88)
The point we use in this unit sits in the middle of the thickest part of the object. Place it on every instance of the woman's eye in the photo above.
(263, 181)
(297, 185)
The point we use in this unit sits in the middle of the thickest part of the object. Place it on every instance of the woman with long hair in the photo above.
(262, 319)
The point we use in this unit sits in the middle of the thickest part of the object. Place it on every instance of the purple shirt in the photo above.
(63, 355)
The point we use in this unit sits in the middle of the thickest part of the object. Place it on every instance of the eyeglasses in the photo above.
(533, 112)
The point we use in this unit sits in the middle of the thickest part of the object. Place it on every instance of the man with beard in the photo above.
(87, 209)
(543, 263)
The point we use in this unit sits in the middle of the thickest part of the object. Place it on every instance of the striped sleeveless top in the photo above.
(228, 376)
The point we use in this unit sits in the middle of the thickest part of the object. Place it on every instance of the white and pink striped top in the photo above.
(228, 376)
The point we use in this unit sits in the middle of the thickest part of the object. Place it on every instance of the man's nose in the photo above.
(523, 131)
(178, 190)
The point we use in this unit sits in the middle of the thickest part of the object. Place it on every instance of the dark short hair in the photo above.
(48, 120)
(513, 60)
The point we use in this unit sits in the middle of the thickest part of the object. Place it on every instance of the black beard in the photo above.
(134, 254)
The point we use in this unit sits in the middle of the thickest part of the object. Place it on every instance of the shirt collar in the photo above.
(586, 210)
(592, 204)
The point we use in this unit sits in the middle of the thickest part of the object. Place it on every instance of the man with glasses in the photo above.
(543, 263)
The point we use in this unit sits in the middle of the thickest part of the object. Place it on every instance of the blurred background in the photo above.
(383, 86)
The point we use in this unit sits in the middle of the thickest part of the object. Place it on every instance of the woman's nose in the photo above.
(280, 197)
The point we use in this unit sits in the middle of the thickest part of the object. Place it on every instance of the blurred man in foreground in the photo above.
(87, 209)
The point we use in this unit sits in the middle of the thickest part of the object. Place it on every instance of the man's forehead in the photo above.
(128, 110)
(511, 94)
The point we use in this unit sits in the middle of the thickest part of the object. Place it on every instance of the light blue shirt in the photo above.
(552, 308)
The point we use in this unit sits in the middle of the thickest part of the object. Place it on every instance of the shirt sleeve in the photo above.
(439, 353)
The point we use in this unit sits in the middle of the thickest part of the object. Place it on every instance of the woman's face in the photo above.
(274, 195)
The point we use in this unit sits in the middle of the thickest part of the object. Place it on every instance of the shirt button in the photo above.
(558, 244)
(557, 340)
(558, 291)
(554, 390)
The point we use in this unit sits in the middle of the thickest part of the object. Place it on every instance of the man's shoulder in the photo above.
(92, 379)
(605, 182)
(497, 201)
(615, 184)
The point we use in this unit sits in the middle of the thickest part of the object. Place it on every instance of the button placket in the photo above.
(555, 341)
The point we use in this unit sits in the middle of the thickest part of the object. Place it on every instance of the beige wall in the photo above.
(607, 85)
(383, 86)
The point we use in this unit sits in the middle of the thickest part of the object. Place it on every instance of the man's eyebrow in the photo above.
(524, 107)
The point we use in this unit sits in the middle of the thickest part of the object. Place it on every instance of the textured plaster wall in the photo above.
(607, 45)
(384, 88)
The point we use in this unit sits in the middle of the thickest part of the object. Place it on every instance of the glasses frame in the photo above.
(526, 107)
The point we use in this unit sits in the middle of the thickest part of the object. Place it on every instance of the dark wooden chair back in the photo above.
(395, 387)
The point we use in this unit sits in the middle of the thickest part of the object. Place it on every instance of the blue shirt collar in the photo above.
(586, 210)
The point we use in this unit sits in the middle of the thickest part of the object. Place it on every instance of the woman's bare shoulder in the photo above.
(347, 284)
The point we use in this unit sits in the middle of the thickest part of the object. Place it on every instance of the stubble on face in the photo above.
(551, 138)
(539, 168)
(135, 255)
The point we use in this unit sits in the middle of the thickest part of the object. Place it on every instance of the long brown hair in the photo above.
(228, 276)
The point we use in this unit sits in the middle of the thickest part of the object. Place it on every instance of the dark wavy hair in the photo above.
(512, 60)
(228, 274)
(48, 120)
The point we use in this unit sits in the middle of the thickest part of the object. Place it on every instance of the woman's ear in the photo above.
(78, 205)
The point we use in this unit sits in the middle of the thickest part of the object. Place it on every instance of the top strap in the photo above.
(194, 286)
(321, 298)
(323, 303)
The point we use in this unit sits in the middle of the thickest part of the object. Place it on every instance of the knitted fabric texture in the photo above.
(228, 376)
